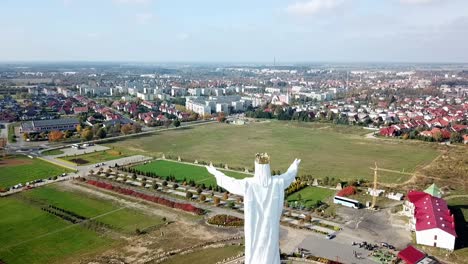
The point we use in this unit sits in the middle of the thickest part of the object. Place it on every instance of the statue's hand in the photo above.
(295, 164)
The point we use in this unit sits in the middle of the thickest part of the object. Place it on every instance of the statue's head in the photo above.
(262, 158)
(262, 169)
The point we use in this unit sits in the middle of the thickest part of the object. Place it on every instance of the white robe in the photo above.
(263, 206)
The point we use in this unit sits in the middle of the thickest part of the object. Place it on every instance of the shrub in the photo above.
(202, 198)
(347, 191)
(216, 200)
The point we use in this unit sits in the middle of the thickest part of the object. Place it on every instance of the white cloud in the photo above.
(183, 36)
(143, 18)
(311, 7)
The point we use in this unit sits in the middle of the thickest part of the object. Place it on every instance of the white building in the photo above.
(431, 220)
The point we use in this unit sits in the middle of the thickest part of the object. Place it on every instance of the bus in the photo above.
(346, 202)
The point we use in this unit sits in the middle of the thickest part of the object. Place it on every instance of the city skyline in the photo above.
(208, 31)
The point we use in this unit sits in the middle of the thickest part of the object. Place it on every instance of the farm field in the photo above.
(329, 150)
(208, 256)
(35, 236)
(95, 157)
(310, 195)
(19, 169)
(183, 171)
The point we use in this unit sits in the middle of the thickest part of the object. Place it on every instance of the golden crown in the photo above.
(262, 158)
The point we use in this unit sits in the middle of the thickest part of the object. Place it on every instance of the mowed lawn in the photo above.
(30, 235)
(341, 152)
(95, 157)
(19, 169)
(125, 219)
(183, 171)
(22, 237)
(310, 195)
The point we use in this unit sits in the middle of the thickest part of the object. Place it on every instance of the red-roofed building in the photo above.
(388, 131)
(431, 220)
(411, 255)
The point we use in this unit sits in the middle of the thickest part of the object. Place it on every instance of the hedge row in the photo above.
(159, 200)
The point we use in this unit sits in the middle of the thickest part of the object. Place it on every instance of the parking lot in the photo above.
(82, 150)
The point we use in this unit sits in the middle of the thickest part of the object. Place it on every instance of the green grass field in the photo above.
(96, 157)
(180, 171)
(310, 195)
(206, 256)
(52, 152)
(20, 169)
(326, 150)
(24, 226)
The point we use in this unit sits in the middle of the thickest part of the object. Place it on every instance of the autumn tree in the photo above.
(126, 129)
(221, 117)
(456, 137)
(79, 128)
(55, 135)
(87, 134)
(101, 133)
(136, 128)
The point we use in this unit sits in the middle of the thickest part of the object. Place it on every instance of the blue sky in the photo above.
(234, 30)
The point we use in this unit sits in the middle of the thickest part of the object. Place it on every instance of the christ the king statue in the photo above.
(263, 206)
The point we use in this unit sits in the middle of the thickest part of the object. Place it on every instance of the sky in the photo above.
(234, 30)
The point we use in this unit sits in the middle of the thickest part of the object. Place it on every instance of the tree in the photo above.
(101, 133)
(55, 135)
(437, 136)
(87, 134)
(68, 134)
(202, 197)
(79, 128)
(225, 196)
(199, 190)
(216, 200)
(189, 195)
(25, 136)
(126, 129)
(177, 123)
(167, 123)
(136, 128)
(456, 137)
(221, 117)
(175, 186)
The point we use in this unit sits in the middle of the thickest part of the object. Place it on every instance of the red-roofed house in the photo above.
(388, 131)
(431, 220)
(411, 255)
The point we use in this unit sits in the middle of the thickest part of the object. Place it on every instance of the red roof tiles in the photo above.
(431, 212)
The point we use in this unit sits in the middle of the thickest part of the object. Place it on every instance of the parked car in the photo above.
(330, 236)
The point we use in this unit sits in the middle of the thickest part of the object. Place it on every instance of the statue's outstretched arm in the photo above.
(289, 176)
(232, 185)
